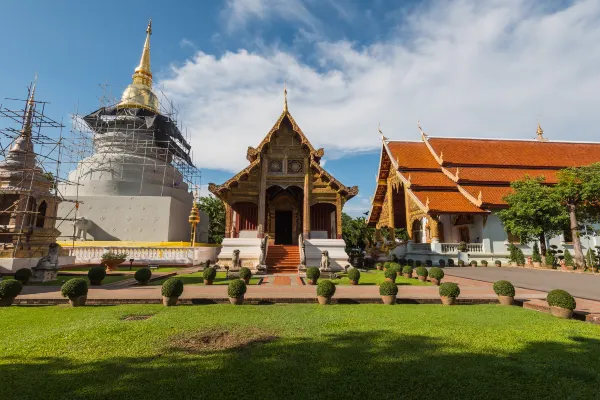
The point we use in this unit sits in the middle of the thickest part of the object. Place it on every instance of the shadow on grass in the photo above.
(354, 365)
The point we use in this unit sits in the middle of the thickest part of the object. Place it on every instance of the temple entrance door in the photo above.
(283, 227)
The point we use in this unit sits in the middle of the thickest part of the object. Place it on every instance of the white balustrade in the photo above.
(453, 247)
(174, 255)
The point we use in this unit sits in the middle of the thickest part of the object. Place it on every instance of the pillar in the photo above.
(227, 220)
(306, 202)
(338, 215)
(262, 192)
(434, 230)
(390, 204)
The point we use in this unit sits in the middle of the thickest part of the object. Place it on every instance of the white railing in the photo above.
(453, 247)
(175, 255)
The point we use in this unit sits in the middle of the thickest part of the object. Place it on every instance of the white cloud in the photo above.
(464, 68)
(237, 13)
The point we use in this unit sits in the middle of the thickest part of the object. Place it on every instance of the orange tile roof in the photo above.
(444, 201)
(515, 152)
(482, 174)
(490, 195)
(428, 179)
(412, 155)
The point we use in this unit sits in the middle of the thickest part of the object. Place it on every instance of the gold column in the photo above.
(338, 215)
(306, 204)
(434, 233)
(227, 220)
(390, 199)
(262, 191)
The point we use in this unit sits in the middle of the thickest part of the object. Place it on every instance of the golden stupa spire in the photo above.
(139, 93)
(285, 106)
(29, 110)
(540, 133)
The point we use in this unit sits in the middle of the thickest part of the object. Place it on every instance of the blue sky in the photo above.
(463, 68)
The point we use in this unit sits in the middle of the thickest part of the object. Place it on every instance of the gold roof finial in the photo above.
(383, 138)
(540, 133)
(139, 93)
(285, 106)
(423, 134)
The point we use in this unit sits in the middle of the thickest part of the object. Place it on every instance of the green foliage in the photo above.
(172, 287)
(569, 259)
(245, 273)
(504, 288)
(396, 267)
(436, 273)
(590, 258)
(473, 263)
(520, 257)
(422, 271)
(325, 288)
(143, 274)
(410, 262)
(462, 247)
(449, 289)
(484, 263)
(110, 256)
(74, 288)
(512, 253)
(442, 263)
(450, 262)
(209, 274)
(215, 209)
(535, 255)
(356, 233)
(10, 288)
(97, 273)
(498, 263)
(354, 274)
(388, 288)
(390, 273)
(236, 288)
(313, 273)
(379, 265)
(407, 269)
(402, 261)
(23, 275)
(461, 263)
(561, 298)
(401, 234)
(429, 263)
(386, 265)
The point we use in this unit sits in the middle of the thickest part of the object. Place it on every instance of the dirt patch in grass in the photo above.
(136, 317)
(219, 339)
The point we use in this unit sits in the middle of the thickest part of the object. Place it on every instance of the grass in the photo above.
(306, 352)
(197, 279)
(58, 282)
(374, 277)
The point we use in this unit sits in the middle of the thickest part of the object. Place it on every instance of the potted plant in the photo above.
(561, 303)
(312, 274)
(354, 276)
(379, 266)
(461, 263)
(23, 275)
(473, 263)
(410, 262)
(143, 275)
(450, 262)
(536, 257)
(96, 275)
(390, 275)
(388, 291)
(569, 263)
(325, 290)
(76, 290)
(442, 263)
(245, 275)
(9, 289)
(590, 259)
(429, 263)
(520, 258)
(435, 275)
(418, 263)
(484, 263)
(498, 263)
(505, 291)
(512, 255)
(407, 271)
(449, 291)
(209, 274)
(386, 265)
(236, 291)
(462, 247)
(110, 260)
(402, 261)
(172, 288)
(422, 273)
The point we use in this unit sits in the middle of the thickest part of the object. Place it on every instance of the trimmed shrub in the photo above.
(74, 288)
(379, 265)
(23, 275)
(418, 263)
(498, 263)
(429, 263)
(245, 273)
(236, 288)
(10, 288)
(390, 273)
(568, 259)
(109, 256)
(473, 263)
(325, 288)
(97, 273)
(449, 289)
(512, 253)
(422, 271)
(354, 274)
(484, 263)
(461, 263)
(172, 287)
(450, 262)
(436, 273)
(396, 267)
(462, 247)
(410, 262)
(143, 275)
(388, 289)
(520, 257)
(403, 261)
(387, 264)
(561, 298)
(209, 274)
(535, 255)
(504, 288)
(407, 269)
(442, 263)
(313, 273)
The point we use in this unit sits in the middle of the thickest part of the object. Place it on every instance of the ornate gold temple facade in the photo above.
(284, 191)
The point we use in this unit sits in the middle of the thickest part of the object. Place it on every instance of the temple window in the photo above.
(464, 234)
(41, 216)
(322, 218)
(247, 216)
(6, 207)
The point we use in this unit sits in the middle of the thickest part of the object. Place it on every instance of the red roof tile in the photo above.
(412, 155)
(440, 201)
(482, 174)
(428, 179)
(490, 195)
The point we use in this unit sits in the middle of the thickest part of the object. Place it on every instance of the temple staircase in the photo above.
(283, 258)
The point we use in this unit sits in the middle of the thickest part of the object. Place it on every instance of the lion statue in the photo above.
(236, 263)
(324, 260)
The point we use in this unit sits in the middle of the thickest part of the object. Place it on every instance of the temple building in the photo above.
(444, 191)
(285, 195)
(132, 188)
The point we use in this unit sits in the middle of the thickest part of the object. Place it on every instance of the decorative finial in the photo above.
(442, 156)
(427, 203)
(540, 133)
(383, 138)
(29, 110)
(285, 106)
(480, 197)
(456, 174)
(423, 134)
(149, 28)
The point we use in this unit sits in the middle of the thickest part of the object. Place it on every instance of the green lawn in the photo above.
(301, 351)
(374, 277)
(197, 279)
(60, 278)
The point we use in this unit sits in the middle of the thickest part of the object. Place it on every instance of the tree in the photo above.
(579, 189)
(356, 232)
(534, 211)
(215, 209)
(568, 259)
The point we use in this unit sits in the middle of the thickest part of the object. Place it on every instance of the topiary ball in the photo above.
(422, 271)
(74, 288)
(450, 262)
(143, 275)
(209, 274)
(387, 264)
(396, 267)
(407, 269)
(10, 288)
(354, 274)
(245, 273)
(498, 263)
(429, 263)
(313, 273)
(402, 261)
(484, 263)
(388, 288)
(410, 262)
(236, 288)
(442, 263)
(172, 287)
(390, 273)
(436, 273)
(96, 274)
(561, 298)
(418, 263)
(504, 288)
(461, 263)
(449, 289)
(325, 288)
(23, 275)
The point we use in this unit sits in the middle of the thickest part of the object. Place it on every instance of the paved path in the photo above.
(582, 285)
